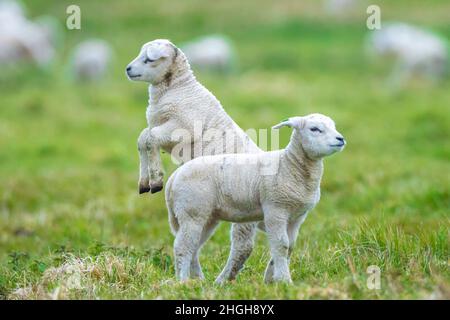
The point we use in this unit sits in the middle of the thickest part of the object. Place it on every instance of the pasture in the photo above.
(72, 225)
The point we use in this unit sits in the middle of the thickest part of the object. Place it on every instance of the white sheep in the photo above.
(339, 7)
(210, 53)
(178, 102)
(415, 51)
(91, 60)
(22, 39)
(236, 188)
(11, 10)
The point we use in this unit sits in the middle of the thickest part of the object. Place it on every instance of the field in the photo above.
(72, 225)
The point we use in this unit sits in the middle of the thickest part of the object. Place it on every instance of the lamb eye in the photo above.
(315, 129)
(147, 60)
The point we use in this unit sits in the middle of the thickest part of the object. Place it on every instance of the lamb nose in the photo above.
(341, 139)
(128, 68)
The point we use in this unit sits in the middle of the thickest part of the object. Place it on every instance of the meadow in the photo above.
(73, 226)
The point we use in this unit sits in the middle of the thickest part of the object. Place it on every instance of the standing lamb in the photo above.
(234, 188)
(179, 102)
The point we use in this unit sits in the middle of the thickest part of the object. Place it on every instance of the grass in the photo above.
(73, 226)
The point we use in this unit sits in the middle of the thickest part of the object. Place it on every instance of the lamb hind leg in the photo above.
(242, 241)
(196, 269)
(185, 247)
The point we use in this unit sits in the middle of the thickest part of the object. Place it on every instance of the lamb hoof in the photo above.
(156, 187)
(143, 189)
(281, 280)
(221, 281)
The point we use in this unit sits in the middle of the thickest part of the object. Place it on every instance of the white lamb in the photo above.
(415, 50)
(178, 102)
(235, 188)
(210, 53)
(91, 60)
(339, 7)
(22, 39)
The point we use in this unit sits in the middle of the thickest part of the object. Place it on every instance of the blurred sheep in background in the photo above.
(339, 7)
(11, 9)
(25, 40)
(91, 60)
(210, 53)
(416, 51)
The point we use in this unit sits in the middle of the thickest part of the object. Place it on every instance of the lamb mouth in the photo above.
(134, 76)
(337, 145)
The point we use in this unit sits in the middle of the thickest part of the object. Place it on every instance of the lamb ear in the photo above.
(298, 122)
(294, 122)
(158, 51)
(285, 122)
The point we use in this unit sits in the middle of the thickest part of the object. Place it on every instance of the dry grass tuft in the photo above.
(78, 274)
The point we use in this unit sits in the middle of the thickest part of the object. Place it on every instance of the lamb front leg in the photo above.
(150, 172)
(144, 177)
(155, 167)
(276, 225)
(292, 229)
(149, 145)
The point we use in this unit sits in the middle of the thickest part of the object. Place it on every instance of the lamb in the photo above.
(236, 188)
(178, 102)
(22, 39)
(415, 50)
(91, 60)
(214, 53)
(339, 7)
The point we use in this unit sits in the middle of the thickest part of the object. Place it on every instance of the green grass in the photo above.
(68, 160)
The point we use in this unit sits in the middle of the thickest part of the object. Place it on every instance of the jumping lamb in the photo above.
(237, 188)
(179, 103)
